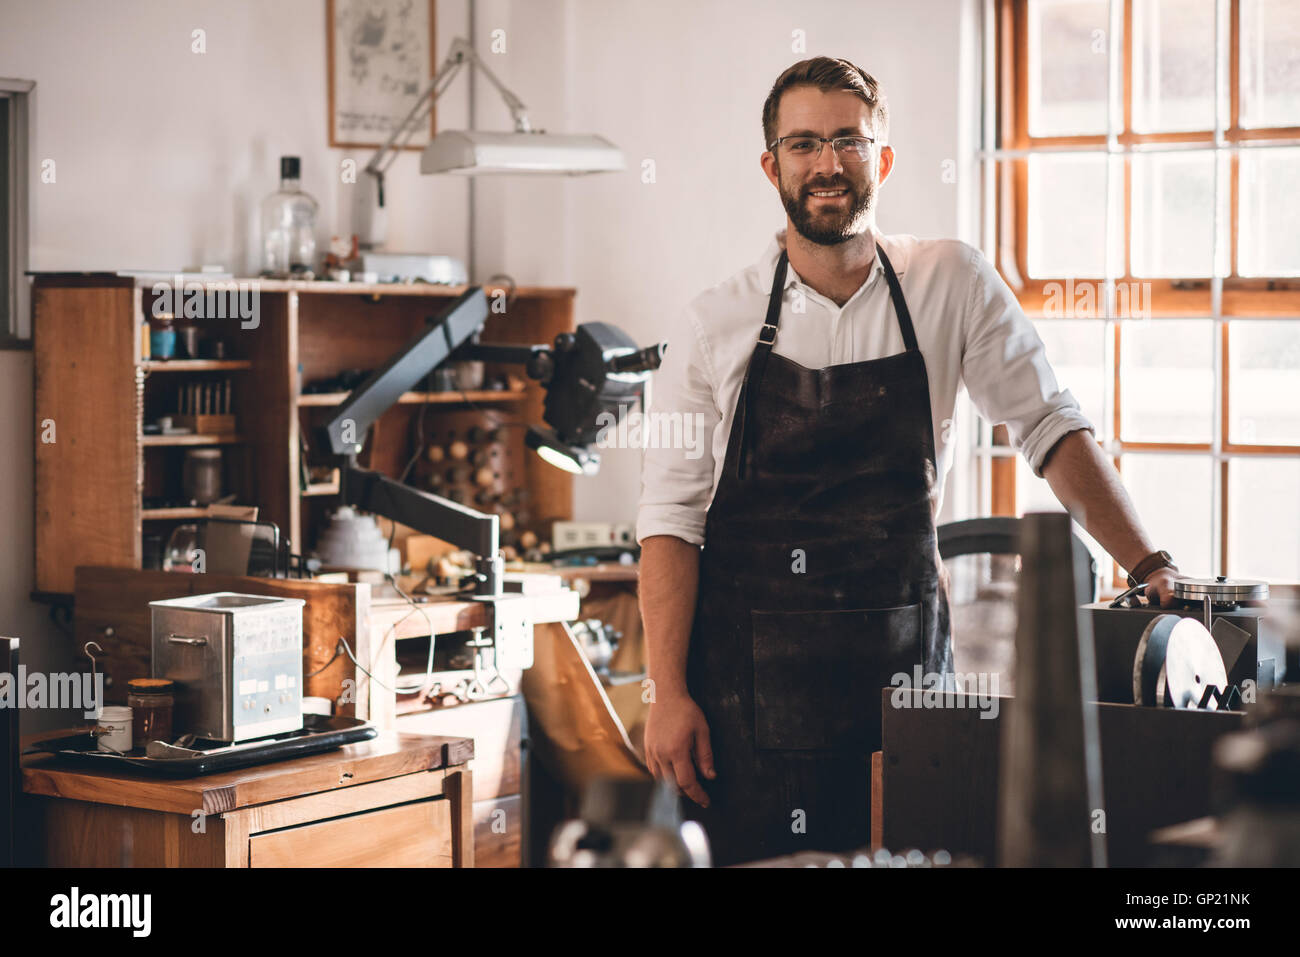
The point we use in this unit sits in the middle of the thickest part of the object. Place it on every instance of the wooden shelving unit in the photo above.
(196, 365)
(330, 399)
(97, 389)
(190, 438)
(168, 514)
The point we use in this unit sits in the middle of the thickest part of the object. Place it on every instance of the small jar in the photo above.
(114, 727)
(152, 700)
(201, 476)
(162, 336)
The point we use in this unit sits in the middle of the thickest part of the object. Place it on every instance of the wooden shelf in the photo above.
(309, 332)
(196, 365)
(418, 398)
(162, 514)
(191, 439)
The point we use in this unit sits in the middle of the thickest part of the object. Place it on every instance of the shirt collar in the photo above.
(895, 252)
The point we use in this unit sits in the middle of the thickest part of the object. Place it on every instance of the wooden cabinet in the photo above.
(401, 800)
(498, 729)
(102, 485)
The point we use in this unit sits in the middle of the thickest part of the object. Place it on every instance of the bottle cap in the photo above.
(290, 167)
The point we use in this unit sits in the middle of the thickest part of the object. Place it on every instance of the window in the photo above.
(15, 316)
(1141, 189)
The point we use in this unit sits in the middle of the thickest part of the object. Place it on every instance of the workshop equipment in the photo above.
(1253, 649)
(236, 660)
(1178, 664)
(1050, 787)
(629, 823)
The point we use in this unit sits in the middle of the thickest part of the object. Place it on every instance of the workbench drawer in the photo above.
(409, 835)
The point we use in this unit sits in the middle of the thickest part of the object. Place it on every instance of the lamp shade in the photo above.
(474, 152)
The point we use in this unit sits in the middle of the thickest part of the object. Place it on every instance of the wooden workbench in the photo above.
(400, 800)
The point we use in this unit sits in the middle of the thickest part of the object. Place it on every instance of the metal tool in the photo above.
(98, 704)
(629, 823)
(1223, 594)
(1178, 665)
(477, 689)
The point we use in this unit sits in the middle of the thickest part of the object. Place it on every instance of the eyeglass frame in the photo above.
(821, 142)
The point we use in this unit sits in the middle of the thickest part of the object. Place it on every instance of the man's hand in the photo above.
(677, 742)
(1160, 588)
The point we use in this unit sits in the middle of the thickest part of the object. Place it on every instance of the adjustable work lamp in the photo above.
(588, 374)
(476, 152)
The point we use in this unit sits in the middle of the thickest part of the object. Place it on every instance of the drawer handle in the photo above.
(186, 640)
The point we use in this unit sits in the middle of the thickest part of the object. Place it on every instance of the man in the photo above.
(824, 374)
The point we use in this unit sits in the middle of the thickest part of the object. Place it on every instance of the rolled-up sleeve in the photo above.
(1005, 368)
(677, 482)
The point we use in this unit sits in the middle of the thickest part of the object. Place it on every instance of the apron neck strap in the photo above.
(900, 304)
(757, 363)
(767, 335)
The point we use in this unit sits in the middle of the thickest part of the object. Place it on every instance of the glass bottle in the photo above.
(289, 226)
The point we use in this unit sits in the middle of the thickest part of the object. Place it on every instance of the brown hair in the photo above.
(828, 73)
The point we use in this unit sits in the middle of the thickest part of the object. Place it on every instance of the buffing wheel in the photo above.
(1176, 661)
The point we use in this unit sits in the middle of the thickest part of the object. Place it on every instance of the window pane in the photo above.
(1270, 63)
(1069, 58)
(1264, 383)
(1174, 497)
(1173, 65)
(1067, 216)
(1268, 240)
(1264, 519)
(1166, 380)
(1173, 213)
(1077, 352)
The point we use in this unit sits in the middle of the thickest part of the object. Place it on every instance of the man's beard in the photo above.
(830, 225)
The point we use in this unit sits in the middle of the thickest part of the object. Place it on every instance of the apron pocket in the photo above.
(818, 674)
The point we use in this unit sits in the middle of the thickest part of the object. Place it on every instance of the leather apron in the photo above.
(820, 579)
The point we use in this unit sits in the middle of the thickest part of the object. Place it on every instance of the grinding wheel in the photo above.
(1176, 661)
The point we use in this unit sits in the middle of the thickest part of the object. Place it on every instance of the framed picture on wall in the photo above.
(380, 58)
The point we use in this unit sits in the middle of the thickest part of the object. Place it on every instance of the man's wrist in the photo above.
(1149, 565)
(666, 689)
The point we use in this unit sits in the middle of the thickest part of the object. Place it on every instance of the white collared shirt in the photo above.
(969, 327)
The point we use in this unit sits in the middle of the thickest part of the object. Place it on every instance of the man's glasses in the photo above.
(850, 149)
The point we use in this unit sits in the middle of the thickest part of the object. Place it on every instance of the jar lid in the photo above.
(114, 712)
(151, 686)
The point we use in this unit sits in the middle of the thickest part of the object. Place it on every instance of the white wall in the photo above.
(162, 154)
(161, 157)
(683, 83)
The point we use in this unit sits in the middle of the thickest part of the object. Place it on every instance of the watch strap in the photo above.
(1143, 569)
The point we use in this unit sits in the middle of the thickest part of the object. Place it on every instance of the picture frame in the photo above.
(380, 55)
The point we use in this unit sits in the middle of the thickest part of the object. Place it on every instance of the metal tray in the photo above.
(319, 733)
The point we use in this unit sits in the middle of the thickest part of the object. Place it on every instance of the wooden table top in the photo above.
(392, 754)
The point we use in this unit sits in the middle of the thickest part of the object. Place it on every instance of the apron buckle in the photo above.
(767, 334)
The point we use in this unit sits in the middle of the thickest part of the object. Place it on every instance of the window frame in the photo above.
(1220, 298)
(16, 329)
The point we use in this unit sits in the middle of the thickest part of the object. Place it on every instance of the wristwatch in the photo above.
(1143, 569)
